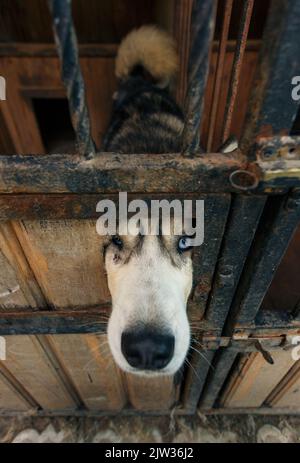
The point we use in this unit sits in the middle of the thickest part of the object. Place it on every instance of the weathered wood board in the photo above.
(66, 258)
(255, 379)
(153, 394)
(9, 399)
(28, 363)
(287, 394)
(90, 365)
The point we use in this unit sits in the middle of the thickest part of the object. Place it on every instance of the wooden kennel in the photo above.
(237, 62)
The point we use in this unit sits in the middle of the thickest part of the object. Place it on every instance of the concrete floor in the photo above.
(232, 428)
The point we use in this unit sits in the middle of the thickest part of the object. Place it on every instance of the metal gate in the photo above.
(241, 358)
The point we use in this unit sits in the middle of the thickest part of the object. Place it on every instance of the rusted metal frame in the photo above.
(277, 66)
(272, 109)
(239, 233)
(181, 27)
(237, 66)
(238, 236)
(66, 41)
(111, 172)
(278, 224)
(203, 19)
(204, 263)
(92, 320)
(219, 72)
(216, 209)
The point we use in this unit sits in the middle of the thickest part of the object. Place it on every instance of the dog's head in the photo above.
(150, 278)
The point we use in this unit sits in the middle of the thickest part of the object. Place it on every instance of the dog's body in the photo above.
(149, 277)
(145, 118)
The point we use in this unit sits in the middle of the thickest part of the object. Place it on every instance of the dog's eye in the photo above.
(116, 240)
(184, 243)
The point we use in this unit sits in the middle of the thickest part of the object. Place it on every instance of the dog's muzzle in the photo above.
(147, 350)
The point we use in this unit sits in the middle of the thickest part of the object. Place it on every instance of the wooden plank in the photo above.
(256, 379)
(92, 369)
(287, 393)
(9, 399)
(27, 362)
(65, 251)
(18, 287)
(150, 393)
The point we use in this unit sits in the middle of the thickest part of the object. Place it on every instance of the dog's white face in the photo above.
(150, 279)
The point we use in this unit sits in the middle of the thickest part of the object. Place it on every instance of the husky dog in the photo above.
(149, 277)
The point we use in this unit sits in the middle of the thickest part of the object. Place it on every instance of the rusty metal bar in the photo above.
(67, 47)
(237, 66)
(278, 224)
(182, 21)
(272, 110)
(219, 72)
(203, 19)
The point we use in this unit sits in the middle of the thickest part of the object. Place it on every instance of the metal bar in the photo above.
(111, 172)
(55, 322)
(80, 206)
(237, 66)
(219, 72)
(223, 362)
(278, 224)
(195, 379)
(238, 236)
(67, 47)
(182, 21)
(203, 18)
(206, 256)
(242, 224)
(90, 320)
(272, 109)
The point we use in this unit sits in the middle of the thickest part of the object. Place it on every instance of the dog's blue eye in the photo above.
(184, 243)
(116, 240)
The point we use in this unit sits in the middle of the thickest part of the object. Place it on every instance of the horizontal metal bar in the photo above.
(144, 173)
(55, 322)
(83, 206)
(94, 319)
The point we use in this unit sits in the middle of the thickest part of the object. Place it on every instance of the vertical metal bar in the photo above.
(203, 18)
(238, 236)
(67, 47)
(272, 110)
(237, 66)
(182, 21)
(272, 239)
(242, 223)
(219, 73)
(206, 256)
(222, 362)
(204, 263)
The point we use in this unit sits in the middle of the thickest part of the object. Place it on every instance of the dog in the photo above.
(149, 277)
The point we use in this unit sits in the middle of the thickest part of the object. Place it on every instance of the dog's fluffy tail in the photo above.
(149, 48)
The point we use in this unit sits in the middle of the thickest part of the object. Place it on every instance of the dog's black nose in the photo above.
(147, 350)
